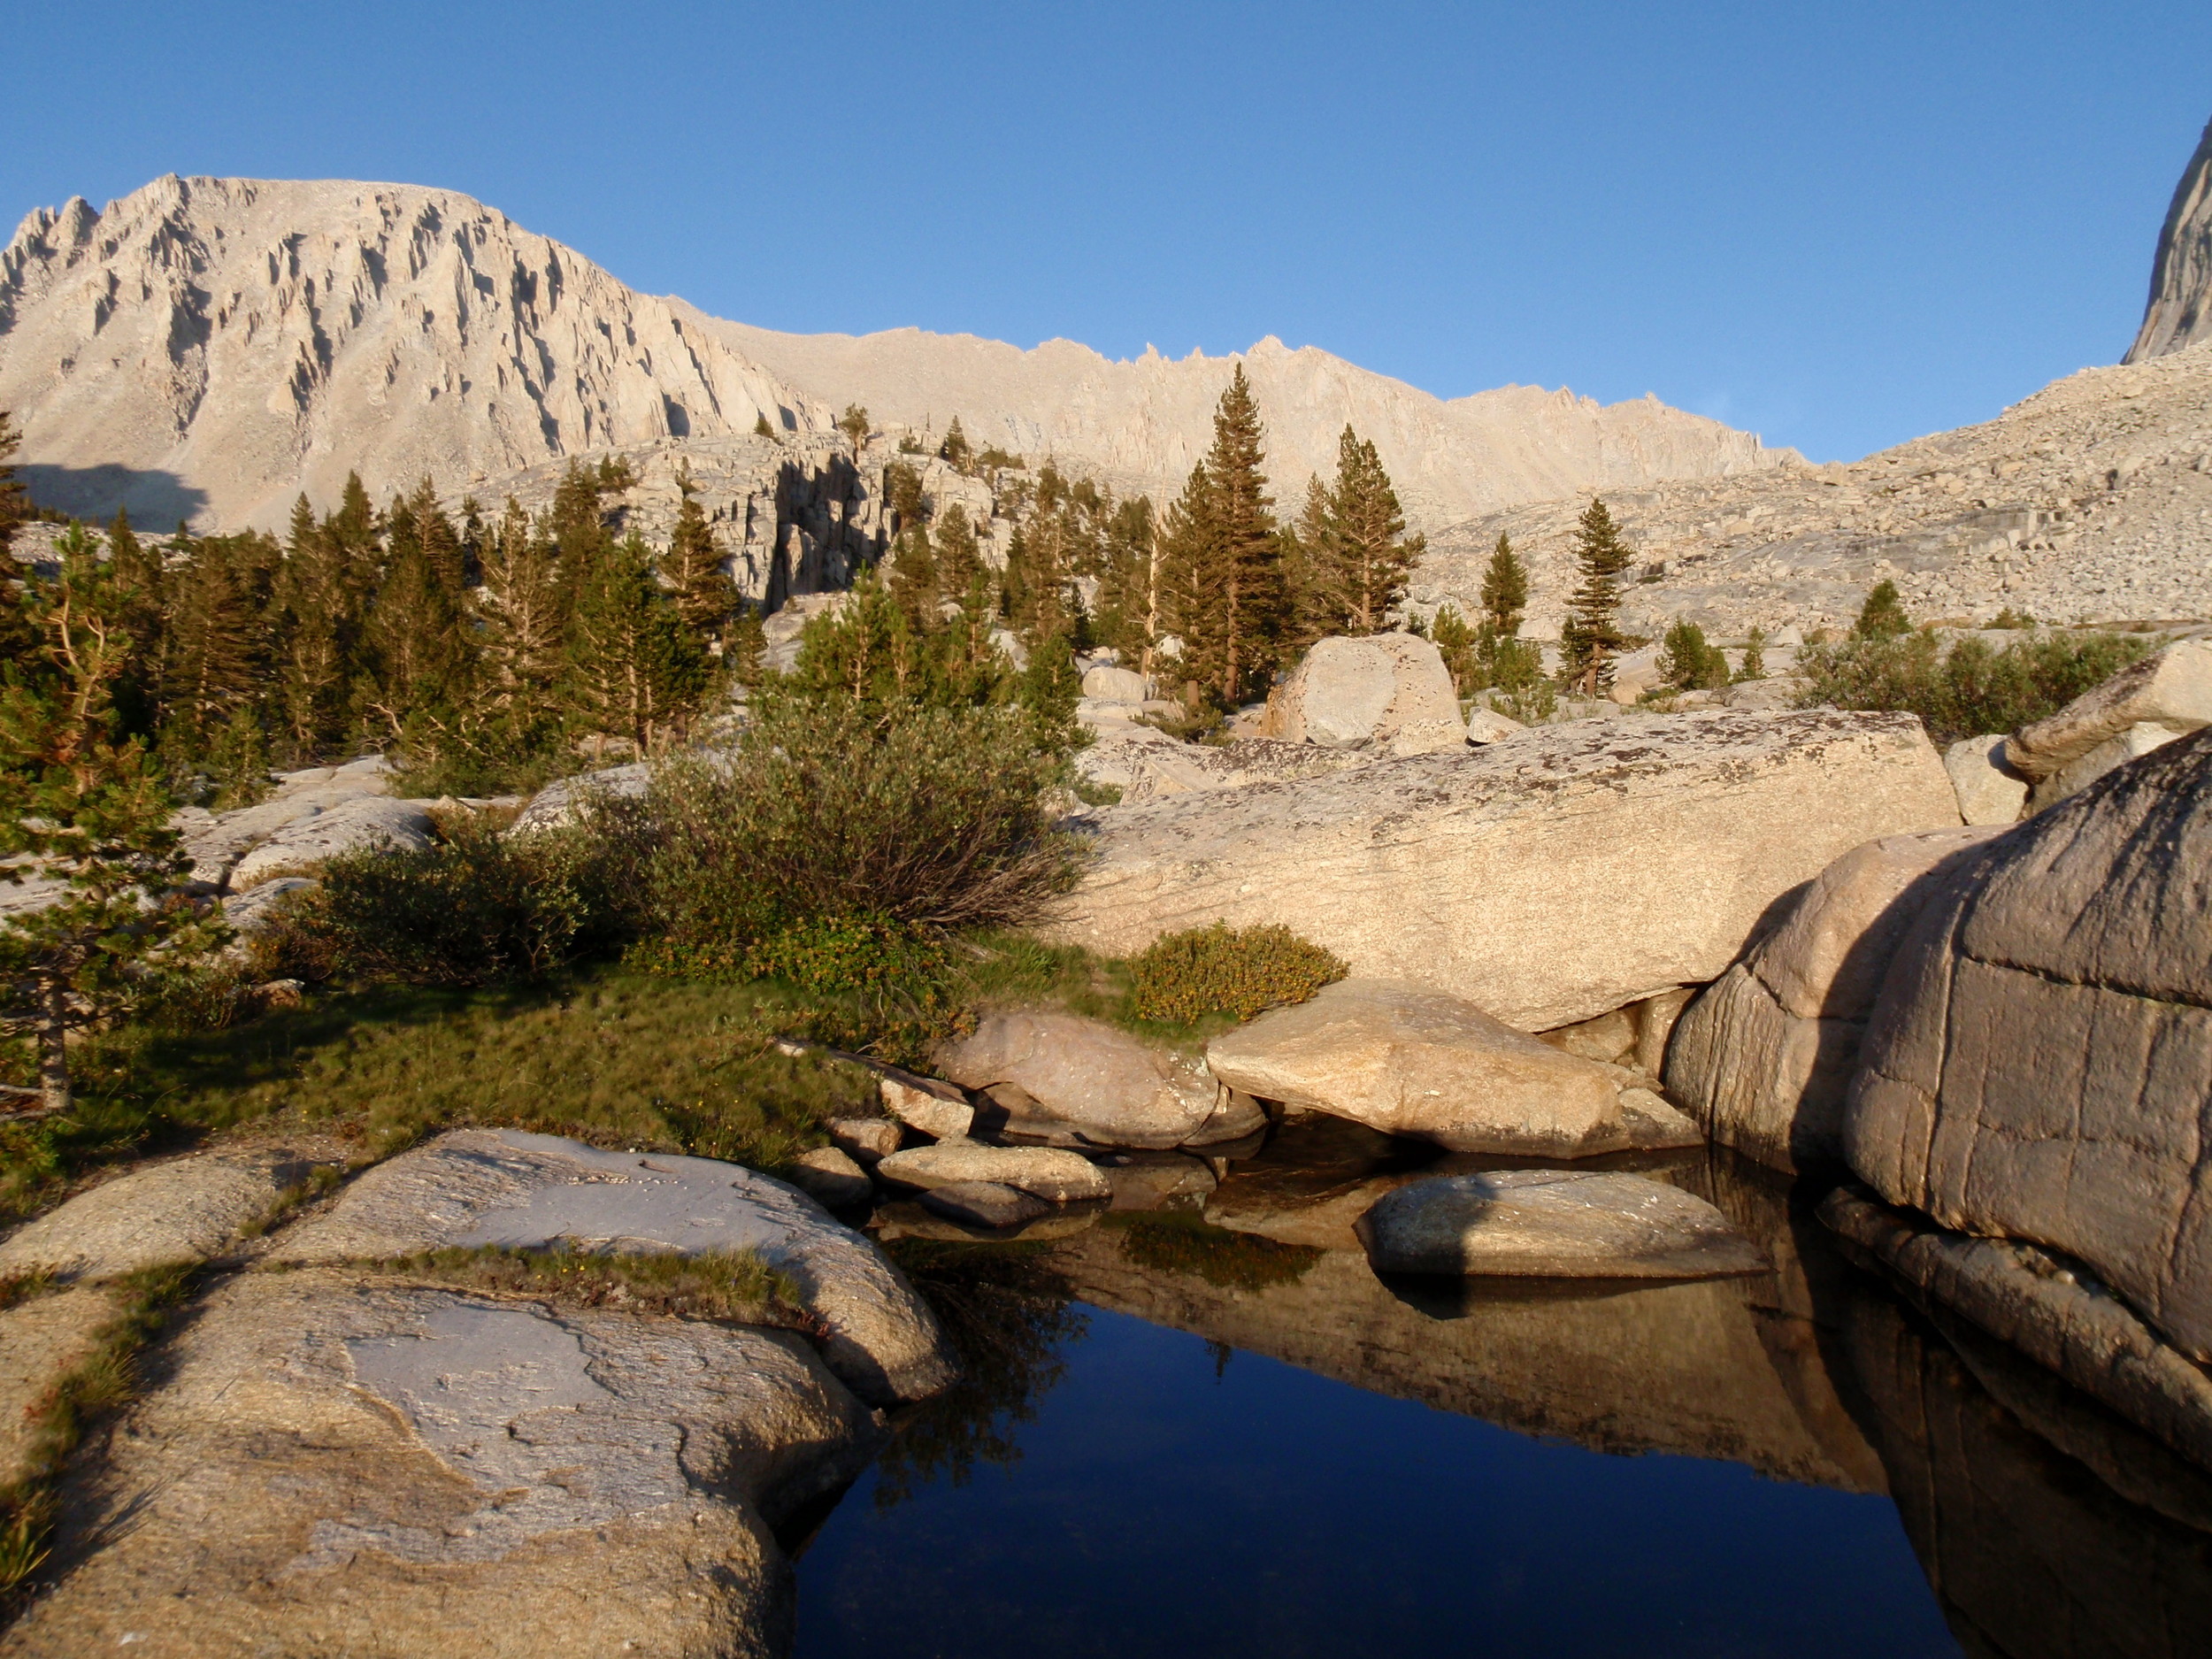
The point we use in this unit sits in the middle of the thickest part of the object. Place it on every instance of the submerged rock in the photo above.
(504, 1187)
(1552, 1224)
(1057, 1177)
(985, 1203)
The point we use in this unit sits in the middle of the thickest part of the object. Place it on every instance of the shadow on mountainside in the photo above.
(156, 501)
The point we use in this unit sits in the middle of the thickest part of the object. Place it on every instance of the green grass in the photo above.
(728, 1284)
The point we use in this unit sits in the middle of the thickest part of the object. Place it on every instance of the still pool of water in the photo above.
(1175, 1497)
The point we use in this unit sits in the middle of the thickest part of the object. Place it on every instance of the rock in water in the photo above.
(1095, 1080)
(985, 1203)
(1764, 1056)
(1386, 689)
(926, 1105)
(1057, 1176)
(2037, 1064)
(2180, 310)
(390, 1468)
(1547, 878)
(504, 1187)
(1552, 1224)
(1407, 1060)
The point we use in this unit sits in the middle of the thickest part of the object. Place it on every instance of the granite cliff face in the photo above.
(2180, 310)
(210, 348)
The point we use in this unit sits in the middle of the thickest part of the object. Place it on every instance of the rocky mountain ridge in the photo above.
(206, 349)
(2179, 313)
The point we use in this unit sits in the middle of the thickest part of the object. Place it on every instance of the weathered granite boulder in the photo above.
(1183, 768)
(378, 1467)
(2038, 1065)
(1763, 1057)
(1552, 1224)
(1108, 684)
(1391, 689)
(1989, 789)
(554, 805)
(1051, 1173)
(506, 1187)
(864, 1139)
(985, 1203)
(1407, 1060)
(215, 841)
(2141, 707)
(251, 912)
(827, 1176)
(180, 1209)
(1545, 878)
(355, 825)
(1487, 725)
(927, 1105)
(1099, 1083)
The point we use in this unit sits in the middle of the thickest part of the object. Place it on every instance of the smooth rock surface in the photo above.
(506, 1187)
(554, 805)
(1989, 789)
(386, 1468)
(371, 821)
(1590, 865)
(180, 1209)
(1765, 1057)
(42, 1340)
(2036, 1069)
(1407, 1060)
(2116, 751)
(1109, 684)
(1090, 1078)
(1487, 725)
(1184, 768)
(1388, 688)
(1552, 1224)
(925, 1104)
(1051, 1173)
(985, 1203)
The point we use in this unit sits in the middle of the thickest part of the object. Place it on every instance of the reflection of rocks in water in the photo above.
(1707, 1369)
(2033, 1554)
(1005, 1313)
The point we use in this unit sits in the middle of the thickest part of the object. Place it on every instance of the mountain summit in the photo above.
(210, 348)
(2180, 310)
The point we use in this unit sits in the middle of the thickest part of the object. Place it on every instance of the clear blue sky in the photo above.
(1840, 225)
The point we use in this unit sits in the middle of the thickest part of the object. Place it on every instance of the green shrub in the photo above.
(1970, 688)
(1221, 970)
(470, 910)
(1688, 662)
(1883, 616)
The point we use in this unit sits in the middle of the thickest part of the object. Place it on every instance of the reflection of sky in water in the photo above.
(1167, 1502)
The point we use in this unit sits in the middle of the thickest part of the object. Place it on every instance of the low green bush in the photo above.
(1970, 688)
(1688, 662)
(1221, 970)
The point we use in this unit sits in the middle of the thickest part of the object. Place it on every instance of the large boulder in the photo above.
(484, 1186)
(355, 826)
(1990, 791)
(1053, 1072)
(1108, 684)
(1391, 689)
(340, 1463)
(1552, 1224)
(2038, 1065)
(555, 804)
(1765, 1055)
(2138, 709)
(1548, 878)
(1412, 1061)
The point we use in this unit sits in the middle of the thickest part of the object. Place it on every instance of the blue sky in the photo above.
(1840, 226)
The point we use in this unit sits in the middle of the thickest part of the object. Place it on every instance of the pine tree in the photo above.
(15, 500)
(1883, 616)
(1504, 589)
(1186, 538)
(854, 424)
(81, 807)
(1237, 623)
(525, 624)
(412, 634)
(1754, 656)
(1593, 635)
(1127, 587)
(1312, 604)
(706, 598)
(216, 662)
(914, 588)
(1369, 559)
(1456, 643)
(959, 562)
(136, 572)
(956, 450)
(634, 670)
(314, 619)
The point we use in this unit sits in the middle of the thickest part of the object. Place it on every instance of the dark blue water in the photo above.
(1167, 1497)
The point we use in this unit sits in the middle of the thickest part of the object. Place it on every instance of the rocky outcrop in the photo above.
(2179, 312)
(1548, 878)
(1388, 689)
(2036, 1067)
(1160, 770)
(1765, 1056)
(1409, 1060)
(483, 1187)
(2127, 716)
(1054, 1074)
(1552, 1224)
(374, 823)
(376, 1466)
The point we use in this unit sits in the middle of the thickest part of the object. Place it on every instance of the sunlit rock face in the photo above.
(2180, 314)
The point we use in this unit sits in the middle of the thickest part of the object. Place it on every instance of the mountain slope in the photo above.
(2180, 310)
(1142, 425)
(212, 347)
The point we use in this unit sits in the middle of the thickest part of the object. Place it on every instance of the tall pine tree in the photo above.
(634, 670)
(1236, 594)
(1504, 589)
(706, 598)
(1368, 557)
(1592, 636)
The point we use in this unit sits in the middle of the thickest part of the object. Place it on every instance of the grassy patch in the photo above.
(106, 1380)
(736, 1286)
(608, 1057)
(1178, 1242)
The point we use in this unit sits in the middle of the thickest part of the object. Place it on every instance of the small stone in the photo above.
(864, 1139)
(937, 1110)
(1552, 1224)
(826, 1175)
(985, 1203)
(1051, 1173)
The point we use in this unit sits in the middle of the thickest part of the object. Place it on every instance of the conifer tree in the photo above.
(956, 450)
(913, 587)
(525, 624)
(15, 502)
(854, 424)
(1369, 559)
(959, 562)
(706, 598)
(634, 670)
(314, 621)
(1592, 635)
(137, 575)
(1186, 537)
(1312, 603)
(1504, 589)
(412, 634)
(1883, 616)
(1128, 592)
(1456, 643)
(903, 488)
(81, 807)
(1236, 627)
(216, 663)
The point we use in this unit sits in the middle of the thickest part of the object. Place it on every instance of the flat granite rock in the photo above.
(1057, 1176)
(334, 1466)
(506, 1187)
(182, 1210)
(1552, 1224)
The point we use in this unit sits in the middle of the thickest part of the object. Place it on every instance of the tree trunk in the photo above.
(53, 1049)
